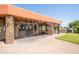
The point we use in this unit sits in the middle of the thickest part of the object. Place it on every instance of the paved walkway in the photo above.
(39, 44)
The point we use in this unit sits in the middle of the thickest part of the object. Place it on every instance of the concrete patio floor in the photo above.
(39, 44)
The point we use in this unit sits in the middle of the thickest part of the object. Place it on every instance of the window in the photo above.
(22, 27)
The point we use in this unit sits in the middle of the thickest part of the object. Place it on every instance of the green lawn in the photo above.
(70, 37)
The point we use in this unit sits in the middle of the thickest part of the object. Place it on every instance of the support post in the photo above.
(50, 30)
(41, 29)
(45, 27)
(33, 28)
(37, 29)
(58, 28)
(9, 29)
(17, 30)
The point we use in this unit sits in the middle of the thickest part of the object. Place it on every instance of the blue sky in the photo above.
(65, 12)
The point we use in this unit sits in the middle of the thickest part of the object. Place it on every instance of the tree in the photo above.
(75, 26)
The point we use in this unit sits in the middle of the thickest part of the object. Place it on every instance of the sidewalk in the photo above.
(40, 44)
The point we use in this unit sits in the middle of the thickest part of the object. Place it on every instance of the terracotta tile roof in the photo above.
(16, 11)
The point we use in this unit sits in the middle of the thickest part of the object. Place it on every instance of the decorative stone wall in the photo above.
(9, 29)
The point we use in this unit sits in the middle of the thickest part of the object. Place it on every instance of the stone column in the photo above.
(50, 30)
(58, 28)
(37, 25)
(9, 29)
(33, 28)
(40, 29)
(17, 30)
(46, 29)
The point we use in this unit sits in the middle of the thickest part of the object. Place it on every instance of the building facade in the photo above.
(17, 22)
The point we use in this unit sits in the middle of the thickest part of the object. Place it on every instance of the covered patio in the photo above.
(17, 22)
